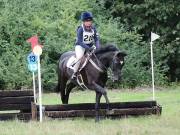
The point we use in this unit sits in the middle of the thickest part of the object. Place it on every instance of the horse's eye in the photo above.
(116, 61)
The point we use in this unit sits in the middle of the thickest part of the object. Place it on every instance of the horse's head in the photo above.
(117, 64)
(111, 56)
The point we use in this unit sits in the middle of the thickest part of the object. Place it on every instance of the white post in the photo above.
(40, 91)
(152, 69)
(34, 88)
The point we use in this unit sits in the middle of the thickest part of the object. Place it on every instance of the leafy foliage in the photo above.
(124, 23)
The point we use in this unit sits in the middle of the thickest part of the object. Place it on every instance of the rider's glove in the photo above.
(93, 48)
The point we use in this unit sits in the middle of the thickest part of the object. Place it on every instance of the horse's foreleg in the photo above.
(98, 98)
(69, 87)
(100, 89)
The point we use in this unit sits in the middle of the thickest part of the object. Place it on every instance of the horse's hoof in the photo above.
(97, 119)
(109, 112)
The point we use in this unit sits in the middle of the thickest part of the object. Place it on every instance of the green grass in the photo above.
(166, 124)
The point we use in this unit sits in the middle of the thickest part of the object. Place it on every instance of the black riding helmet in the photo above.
(86, 16)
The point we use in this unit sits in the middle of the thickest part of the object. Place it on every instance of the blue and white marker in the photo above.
(32, 58)
(33, 67)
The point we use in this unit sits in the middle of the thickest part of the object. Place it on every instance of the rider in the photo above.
(87, 39)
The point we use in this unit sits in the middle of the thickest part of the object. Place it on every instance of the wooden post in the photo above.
(34, 111)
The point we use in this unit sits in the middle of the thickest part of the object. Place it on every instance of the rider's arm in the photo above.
(96, 38)
(80, 39)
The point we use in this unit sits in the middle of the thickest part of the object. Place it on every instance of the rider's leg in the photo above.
(79, 50)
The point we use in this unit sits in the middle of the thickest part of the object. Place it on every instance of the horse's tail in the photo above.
(60, 85)
(57, 89)
(62, 79)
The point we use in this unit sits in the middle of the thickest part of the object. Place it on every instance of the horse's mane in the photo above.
(106, 48)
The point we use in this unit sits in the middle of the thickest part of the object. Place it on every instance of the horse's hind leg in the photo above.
(69, 87)
(62, 90)
(58, 87)
(98, 98)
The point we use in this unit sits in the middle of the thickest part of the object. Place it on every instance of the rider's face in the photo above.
(88, 23)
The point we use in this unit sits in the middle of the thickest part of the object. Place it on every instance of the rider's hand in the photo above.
(93, 48)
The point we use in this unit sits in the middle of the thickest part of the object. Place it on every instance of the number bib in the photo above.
(88, 37)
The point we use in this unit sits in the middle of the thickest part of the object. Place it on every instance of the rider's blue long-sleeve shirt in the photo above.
(80, 38)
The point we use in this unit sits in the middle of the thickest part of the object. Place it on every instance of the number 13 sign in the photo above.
(32, 59)
(32, 62)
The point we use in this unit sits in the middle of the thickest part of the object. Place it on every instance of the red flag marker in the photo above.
(34, 41)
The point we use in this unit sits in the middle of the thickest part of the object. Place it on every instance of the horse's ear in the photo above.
(121, 54)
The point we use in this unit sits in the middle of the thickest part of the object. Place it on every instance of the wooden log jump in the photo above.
(118, 109)
(18, 102)
(22, 101)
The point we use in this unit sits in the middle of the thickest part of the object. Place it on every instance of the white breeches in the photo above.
(79, 51)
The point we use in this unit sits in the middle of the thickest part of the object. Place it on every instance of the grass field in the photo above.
(166, 124)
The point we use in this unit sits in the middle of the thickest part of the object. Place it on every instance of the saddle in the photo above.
(84, 60)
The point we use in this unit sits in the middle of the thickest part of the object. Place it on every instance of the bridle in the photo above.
(104, 68)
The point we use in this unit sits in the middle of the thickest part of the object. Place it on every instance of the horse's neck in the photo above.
(106, 58)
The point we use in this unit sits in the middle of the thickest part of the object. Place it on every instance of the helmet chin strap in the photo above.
(87, 27)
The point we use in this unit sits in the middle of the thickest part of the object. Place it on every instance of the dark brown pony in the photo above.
(94, 79)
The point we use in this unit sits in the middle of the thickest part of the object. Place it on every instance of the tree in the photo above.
(160, 16)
